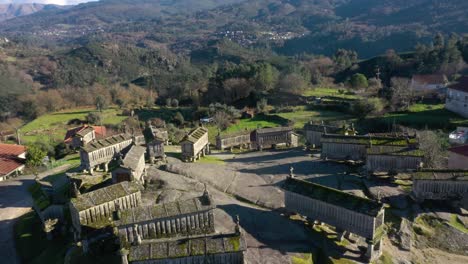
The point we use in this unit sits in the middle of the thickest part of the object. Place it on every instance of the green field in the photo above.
(301, 116)
(52, 127)
(432, 116)
(258, 121)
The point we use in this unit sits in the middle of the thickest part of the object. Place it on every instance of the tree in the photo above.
(345, 58)
(431, 146)
(179, 119)
(222, 120)
(101, 103)
(34, 157)
(266, 77)
(262, 106)
(400, 93)
(362, 108)
(358, 81)
(293, 83)
(94, 118)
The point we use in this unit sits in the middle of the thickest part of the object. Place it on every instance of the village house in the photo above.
(458, 157)
(103, 151)
(213, 249)
(195, 145)
(263, 138)
(341, 147)
(180, 218)
(429, 82)
(80, 136)
(447, 185)
(12, 160)
(348, 213)
(457, 97)
(95, 210)
(241, 139)
(313, 133)
(459, 136)
(132, 167)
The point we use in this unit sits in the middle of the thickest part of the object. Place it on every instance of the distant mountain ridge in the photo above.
(8, 11)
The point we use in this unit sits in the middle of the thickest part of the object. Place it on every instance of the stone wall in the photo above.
(387, 163)
(188, 224)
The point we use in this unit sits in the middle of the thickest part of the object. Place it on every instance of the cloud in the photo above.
(56, 2)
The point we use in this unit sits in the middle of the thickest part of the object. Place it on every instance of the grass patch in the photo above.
(52, 127)
(305, 258)
(420, 115)
(341, 261)
(300, 116)
(323, 91)
(386, 258)
(211, 160)
(32, 245)
(456, 223)
(259, 121)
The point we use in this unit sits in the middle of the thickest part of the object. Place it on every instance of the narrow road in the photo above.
(16, 201)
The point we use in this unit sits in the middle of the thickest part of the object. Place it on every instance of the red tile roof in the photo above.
(11, 149)
(461, 85)
(462, 150)
(99, 130)
(430, 79)
(9, 164)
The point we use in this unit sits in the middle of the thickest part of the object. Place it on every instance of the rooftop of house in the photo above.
(333, 196)
(323, 128)
(105, 142)
(461, 85)
(394, 151)
(455, 175)
(195, 135)
(148, 213)
(104, 195)
(369, 140)
(274, 129)
(186, 247)
(83, 130)
(460, 150)
(430, 78)
(132, 157)
(9, 165)
(11, 149)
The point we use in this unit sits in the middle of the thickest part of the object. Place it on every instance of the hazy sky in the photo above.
(57, 2)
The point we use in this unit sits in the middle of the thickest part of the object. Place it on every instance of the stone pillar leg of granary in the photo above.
(85, 246)
(106, 167)
(374, 250)
(343, 235)
(123, 255)
(91, 170)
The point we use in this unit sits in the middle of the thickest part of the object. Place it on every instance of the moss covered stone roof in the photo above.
(180, 248)
(148, 213)
(132, 157)
(104, 195)
(333, 196)
(105, 142)
(454, 175)
(274, 129)
(195, 135)
(235, 134)
(369, 140)
(323, 128)
(394, 151)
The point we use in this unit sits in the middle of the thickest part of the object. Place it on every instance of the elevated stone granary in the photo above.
(313, 132)
(180, 218)
(195, 144)
(269, 137)
(155, 150)
(342, 147)
(213, 249)
(95, 209)
(101, 152)
(132, 167)
(241, 139)
(393, 158)
(441, 185)
(357, 215)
